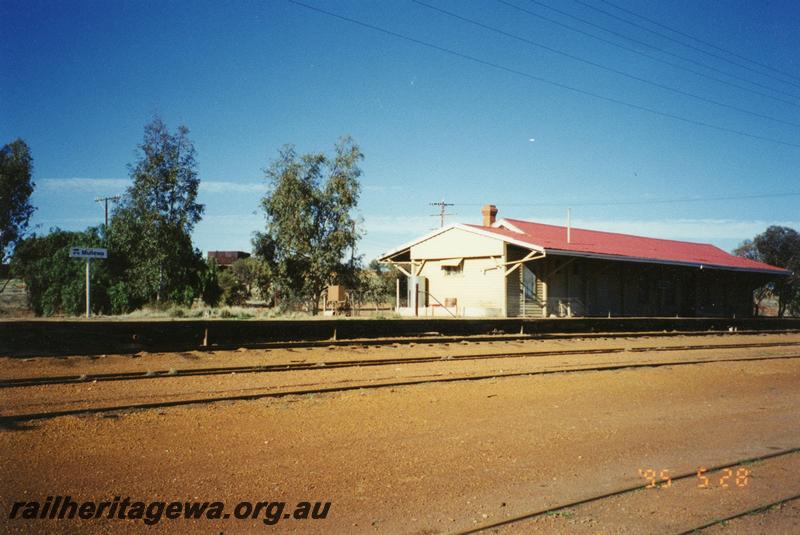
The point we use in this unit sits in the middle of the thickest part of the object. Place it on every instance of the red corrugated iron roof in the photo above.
(594, 242)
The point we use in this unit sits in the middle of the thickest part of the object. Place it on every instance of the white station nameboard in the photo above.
(87, 252)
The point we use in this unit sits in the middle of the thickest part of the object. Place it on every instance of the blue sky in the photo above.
(78, 81)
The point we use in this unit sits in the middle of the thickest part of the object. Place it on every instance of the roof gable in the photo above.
(475, 229)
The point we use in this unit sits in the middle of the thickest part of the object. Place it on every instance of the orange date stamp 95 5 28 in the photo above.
(735, 477)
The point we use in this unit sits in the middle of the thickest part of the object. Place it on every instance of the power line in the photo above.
(648, 201)
(712, 45)
(697, 48)
(604, 67)
(500, 67)
(648, 56)
(667, 52)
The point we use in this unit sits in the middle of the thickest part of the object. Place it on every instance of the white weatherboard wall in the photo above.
(479, 288)
(457, 243)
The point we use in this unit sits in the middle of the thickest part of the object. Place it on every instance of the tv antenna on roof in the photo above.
(442, 210)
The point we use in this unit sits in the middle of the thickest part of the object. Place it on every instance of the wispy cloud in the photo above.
(227, 186)
(382, 189)
(120, 184)
(62, 221)
(83, 184)
(245, 220)
(399, 225)
(230, 232)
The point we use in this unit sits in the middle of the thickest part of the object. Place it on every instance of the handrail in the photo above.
(568, 304)
(439, 302)
(533, 293)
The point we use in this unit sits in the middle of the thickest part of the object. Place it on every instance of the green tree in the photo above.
(55, 282)
(210, 290)
(151, 228)
(234, 290)
(16, 187)
(253, 274)
(375, 284)
(747, 249)
(778, 246)
(309, 226)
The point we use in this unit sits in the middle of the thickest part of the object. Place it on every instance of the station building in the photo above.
(515, 268)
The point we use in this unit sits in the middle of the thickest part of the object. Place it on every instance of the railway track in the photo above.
(449, 339)
(677, 477)
(755, 510)
(427, 338)
(9, 420)
(356, 363)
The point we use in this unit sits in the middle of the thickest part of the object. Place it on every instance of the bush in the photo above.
(234, 291)
(210, 291)
(120, 298)
(182, 296)
(56, 282)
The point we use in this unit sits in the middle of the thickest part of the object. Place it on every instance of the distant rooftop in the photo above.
(226, 258)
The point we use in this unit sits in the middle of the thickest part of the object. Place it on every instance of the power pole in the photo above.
(353, 247)
(442, 210)
(104, 200)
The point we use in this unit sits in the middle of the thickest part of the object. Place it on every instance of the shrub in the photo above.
(234, 291)
(210, 291)
(56, 282)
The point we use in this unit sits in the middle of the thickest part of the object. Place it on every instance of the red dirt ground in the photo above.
(432, 458)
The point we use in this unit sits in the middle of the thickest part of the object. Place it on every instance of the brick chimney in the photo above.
(489, 213)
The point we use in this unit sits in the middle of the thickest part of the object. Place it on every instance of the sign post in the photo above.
(88, 288)
(88, 253)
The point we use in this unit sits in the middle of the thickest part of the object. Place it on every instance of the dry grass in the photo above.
(203, 312)
(13, 300)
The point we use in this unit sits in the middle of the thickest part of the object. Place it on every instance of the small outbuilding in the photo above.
(512, 268)
(224, 259)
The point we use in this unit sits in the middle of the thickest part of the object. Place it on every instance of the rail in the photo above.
(358, 363)
(686, 475)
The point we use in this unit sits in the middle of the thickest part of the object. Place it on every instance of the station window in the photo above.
(450, 271)
(528, 283)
